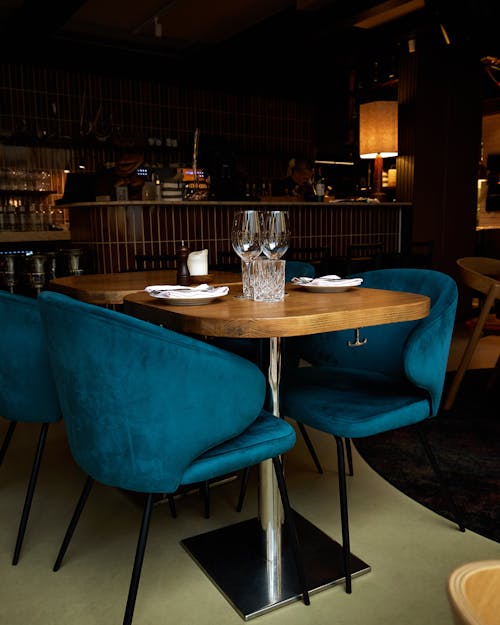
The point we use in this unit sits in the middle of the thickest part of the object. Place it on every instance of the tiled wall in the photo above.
(114, 234)
(58, 118)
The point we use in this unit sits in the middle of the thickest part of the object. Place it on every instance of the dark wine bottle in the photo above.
(320, 187)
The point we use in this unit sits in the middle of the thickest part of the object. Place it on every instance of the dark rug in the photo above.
(466, 443)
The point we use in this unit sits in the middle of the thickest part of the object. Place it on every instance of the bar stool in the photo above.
(9, 272)
(34, 273)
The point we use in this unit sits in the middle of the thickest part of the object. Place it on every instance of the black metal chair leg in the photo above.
(139, 557)
(243, 488)
(310, 447)
(171, 505)
(74, 520)
(348, 449)
(292, 529)
(6, 440)
(29, 493)
(441, 479)
(344, 517)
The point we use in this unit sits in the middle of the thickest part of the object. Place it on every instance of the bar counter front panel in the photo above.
(113, 233)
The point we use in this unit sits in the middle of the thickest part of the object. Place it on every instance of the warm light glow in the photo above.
(334, 162)
(388, 11)
(378, 136)
(378, 129)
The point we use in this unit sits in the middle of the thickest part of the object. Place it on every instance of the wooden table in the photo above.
(111, 288)
(233, 554)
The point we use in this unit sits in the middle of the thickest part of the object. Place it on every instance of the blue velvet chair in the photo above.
(298, 268)
(134, 421)
(393, 379)
(27, 390)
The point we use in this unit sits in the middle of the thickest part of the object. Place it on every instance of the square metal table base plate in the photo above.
(233, 558)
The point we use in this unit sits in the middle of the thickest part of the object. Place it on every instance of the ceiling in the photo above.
(297, 40)
(177, 27)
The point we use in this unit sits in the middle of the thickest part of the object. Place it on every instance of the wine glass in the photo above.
(275, 234)
(246, 241)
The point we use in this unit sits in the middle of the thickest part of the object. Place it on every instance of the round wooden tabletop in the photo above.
(301, 312)
(111, 288)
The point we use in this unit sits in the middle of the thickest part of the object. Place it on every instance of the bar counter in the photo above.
(113, 232)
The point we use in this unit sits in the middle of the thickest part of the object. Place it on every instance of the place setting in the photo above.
(327, 284)
(187, 295)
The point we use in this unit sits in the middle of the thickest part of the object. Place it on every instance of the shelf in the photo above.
(41, 235)
(26, 192)
(111, 142)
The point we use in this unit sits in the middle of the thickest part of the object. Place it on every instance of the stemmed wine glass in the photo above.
(275, 233)
(246, 241)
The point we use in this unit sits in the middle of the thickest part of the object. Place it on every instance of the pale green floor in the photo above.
(410, 549)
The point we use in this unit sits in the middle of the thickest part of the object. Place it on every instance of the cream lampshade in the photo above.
(378, 135)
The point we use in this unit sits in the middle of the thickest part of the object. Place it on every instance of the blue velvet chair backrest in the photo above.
(141, 402)
(297, 268)
(415, 350)
(27, 389)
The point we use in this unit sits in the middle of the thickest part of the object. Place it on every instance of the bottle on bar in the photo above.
(21, 216)
(320, 187)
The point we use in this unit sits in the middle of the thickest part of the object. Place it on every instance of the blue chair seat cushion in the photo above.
(268, 436)
(352, 403)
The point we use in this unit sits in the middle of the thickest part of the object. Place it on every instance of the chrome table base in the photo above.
(234, 559)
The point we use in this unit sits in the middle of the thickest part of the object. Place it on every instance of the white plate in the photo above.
(327, 284)
(315, 288)
(200, 300)
(190, 301)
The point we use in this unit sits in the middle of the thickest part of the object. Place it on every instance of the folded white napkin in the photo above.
(184, 292)
(331, 280)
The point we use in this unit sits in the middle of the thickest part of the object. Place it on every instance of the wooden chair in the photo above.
(482, 275)
(474, 593)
